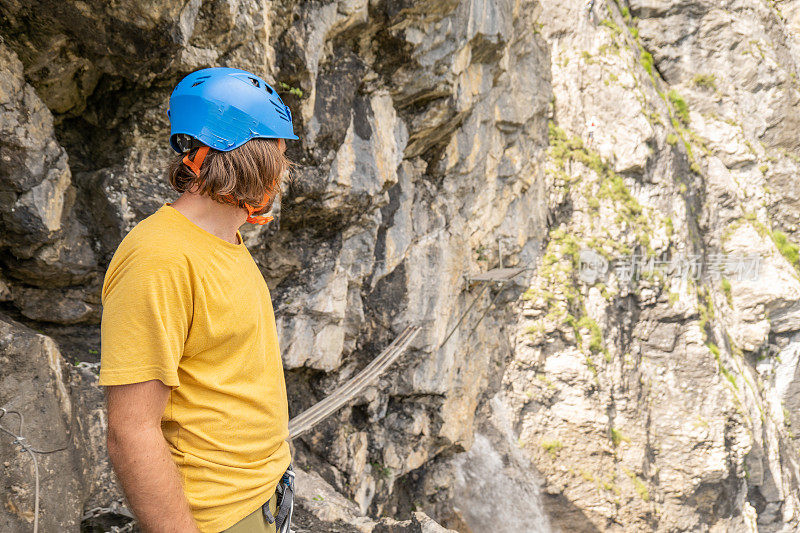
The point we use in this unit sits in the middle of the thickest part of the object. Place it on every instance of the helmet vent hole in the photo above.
(254, 82)
(200, 80)
(268, 88)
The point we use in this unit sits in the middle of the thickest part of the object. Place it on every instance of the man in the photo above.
(196, 398)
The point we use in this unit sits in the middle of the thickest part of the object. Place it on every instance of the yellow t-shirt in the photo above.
(191, 309)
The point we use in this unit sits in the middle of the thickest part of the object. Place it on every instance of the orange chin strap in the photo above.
(258, 219)
(199, 157)
(197, 162)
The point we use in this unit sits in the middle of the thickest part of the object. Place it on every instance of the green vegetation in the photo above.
(528, 295)
(680, 106)
(611, 487)
(726, 288)
(292, 90)
(610, 24)
(595, 334)
(705, 81)
(533, 330)
(617, 437)
(591, 366)
(552, 447)
(672, 139)
(639, 485)
(787, 248)
(562, 255)
(544, 379)
(381, 471)
(646, 59)
(670, 227)
(714, 349)
(722, 370)
(706, 311)
(641, 488)
(612, 185)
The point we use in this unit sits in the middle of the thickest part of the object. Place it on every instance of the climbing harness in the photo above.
(116, 507)
(285, 503)
(19, 439)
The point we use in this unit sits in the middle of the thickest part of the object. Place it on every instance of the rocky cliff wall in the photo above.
(441, 139)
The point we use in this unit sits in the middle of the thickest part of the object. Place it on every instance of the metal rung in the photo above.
(496, 274)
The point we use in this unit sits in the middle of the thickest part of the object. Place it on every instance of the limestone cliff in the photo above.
(441, 139)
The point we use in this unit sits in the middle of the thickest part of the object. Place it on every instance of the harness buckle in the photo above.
(285, 503)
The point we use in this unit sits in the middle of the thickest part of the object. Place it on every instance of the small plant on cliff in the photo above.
(680, 106)
(705, 81)
(726, 288)
(595, 334)
(646, 59)
(641, 488)
(381, 471)
(787, 248)
(618, 437)
(613, 26)
(292, 90)
(714, 349)
(552, 447)
(639, 485)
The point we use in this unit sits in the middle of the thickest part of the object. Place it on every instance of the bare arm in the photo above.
(141, 458)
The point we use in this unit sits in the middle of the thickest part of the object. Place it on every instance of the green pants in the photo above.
(255, 521)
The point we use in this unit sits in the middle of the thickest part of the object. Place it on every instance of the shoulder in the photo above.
(151, 250)
(155, 239)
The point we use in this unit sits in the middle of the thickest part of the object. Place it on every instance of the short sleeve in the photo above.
(147, 310)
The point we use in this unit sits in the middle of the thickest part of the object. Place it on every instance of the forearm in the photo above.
(150, 480)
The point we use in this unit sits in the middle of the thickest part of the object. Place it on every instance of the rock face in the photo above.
(661, 401)
(55, 408)
(441, 139)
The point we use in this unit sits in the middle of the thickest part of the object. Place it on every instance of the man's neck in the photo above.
(219, 219)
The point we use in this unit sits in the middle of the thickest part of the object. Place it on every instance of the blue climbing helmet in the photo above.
(224, 108)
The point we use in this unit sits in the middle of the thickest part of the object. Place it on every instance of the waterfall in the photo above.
(496, 486)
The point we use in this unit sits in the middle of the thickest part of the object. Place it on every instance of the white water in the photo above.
(496, 487)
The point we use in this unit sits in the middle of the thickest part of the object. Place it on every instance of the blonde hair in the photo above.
(240, 176)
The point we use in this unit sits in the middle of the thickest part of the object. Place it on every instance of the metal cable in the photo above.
(22, 441)
(322, 409)
(464, 314)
